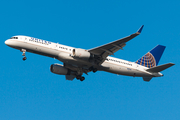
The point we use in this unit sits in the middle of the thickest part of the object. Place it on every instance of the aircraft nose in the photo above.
(7, 42)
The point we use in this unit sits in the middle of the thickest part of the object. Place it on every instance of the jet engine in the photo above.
(81, 53)
(59, 69)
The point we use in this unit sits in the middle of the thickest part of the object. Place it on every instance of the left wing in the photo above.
(111, 48)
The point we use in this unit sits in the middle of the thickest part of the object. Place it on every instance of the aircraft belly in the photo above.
(142, 74)
(50, 52)
(67, 58)
(123, 70)
(42, 50)
(33, 48)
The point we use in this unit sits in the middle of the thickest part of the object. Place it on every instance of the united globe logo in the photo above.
(147, 60)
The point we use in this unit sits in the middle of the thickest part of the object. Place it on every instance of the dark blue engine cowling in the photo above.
(59, 69)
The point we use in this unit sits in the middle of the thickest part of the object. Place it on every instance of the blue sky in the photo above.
(29, 91)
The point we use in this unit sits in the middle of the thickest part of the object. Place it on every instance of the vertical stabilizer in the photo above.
(151, 59)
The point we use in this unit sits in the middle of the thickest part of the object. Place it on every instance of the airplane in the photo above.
(78, 61)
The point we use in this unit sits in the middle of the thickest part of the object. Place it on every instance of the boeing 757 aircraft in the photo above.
(77, 61)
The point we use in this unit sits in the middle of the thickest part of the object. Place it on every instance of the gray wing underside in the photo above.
(70, 77)
(112, 47)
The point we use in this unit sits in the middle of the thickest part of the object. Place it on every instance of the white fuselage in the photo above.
(63, 53)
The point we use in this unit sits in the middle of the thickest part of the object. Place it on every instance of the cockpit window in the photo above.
(14, 38)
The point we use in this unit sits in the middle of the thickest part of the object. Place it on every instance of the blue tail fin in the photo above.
(151, 59)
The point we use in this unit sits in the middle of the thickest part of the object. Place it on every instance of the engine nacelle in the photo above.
(59, 69)
(81, 53)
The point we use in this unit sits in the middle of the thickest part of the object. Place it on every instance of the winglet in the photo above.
(140, 29)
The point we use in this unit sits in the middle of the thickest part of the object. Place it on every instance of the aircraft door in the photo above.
(25, 39)
(137, 67)
(54, 46)
(57, 46)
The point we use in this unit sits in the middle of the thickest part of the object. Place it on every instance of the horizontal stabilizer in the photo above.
(147, 79)
(160, 67)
